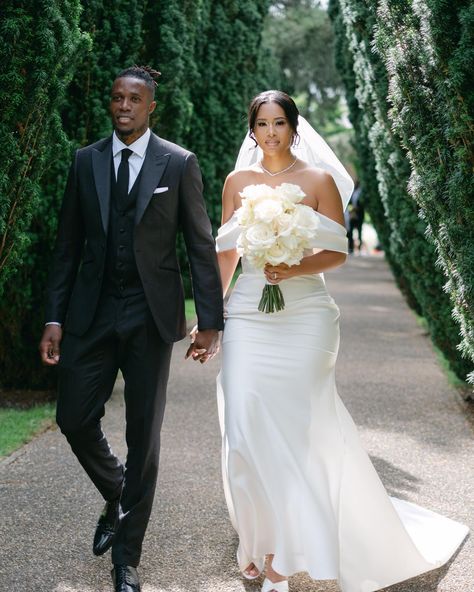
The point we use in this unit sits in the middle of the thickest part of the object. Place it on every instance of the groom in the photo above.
(115, 302)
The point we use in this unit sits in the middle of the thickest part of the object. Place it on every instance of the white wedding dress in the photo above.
(297, 481)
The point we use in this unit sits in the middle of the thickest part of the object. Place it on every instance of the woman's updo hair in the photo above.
(280, 98)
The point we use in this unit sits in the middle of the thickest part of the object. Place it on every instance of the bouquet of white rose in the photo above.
(276, 229)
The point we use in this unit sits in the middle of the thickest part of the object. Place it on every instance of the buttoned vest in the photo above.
(121, 273)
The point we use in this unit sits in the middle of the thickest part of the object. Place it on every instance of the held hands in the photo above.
(204, 344)
(274, 274)
(49, 345)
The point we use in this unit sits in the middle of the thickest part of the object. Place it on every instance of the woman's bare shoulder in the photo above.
(240, 178)
(317, 175)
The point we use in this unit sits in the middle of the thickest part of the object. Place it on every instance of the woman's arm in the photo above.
(228, 260)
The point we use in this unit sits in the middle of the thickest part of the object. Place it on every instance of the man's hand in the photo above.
(49, 345)
(204, 345)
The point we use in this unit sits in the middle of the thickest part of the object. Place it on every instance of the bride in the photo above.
(301, 492)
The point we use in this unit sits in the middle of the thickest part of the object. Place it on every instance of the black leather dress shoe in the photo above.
(107, 527)
(125, 579)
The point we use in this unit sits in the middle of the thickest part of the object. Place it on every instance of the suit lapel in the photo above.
(153, 168)
(102, 169)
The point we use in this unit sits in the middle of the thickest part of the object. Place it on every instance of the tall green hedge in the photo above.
(40, 40)
(207, 81)
(55, 95)
(369, 45)
(428, 51)
(230, 71)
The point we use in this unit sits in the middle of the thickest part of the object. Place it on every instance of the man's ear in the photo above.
(151, 108)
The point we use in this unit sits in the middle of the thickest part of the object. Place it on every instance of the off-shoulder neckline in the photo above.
(330, 220)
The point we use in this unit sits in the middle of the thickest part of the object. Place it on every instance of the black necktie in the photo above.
(123, 176)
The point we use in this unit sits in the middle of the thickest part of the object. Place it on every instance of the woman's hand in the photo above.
(276, 273)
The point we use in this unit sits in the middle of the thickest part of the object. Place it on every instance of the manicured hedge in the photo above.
(406, 69)
(59, 59)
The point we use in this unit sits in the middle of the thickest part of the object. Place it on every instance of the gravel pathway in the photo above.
(416, 428)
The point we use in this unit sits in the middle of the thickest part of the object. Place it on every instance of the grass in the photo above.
(189, 307)
(19, 426)
(190, 310)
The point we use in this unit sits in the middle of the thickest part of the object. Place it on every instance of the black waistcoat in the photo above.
(121, 273)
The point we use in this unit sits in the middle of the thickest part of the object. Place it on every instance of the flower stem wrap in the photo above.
(272, 299)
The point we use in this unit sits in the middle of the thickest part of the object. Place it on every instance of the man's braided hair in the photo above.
(146, 73)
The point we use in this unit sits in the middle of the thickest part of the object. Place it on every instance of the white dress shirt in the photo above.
(136, 159)
(135, 162)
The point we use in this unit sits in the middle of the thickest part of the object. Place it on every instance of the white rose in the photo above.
(290, 242)
(259, 236)
(285, 223)
(257, 260)
(293, 193)
(268, 210)
(280, 253)
(277, 254)
(306, 221)
(245, 214)
(257, 192)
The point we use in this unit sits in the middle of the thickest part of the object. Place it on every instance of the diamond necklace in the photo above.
(278, 172)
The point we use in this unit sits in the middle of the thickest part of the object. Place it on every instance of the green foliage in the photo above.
(80, 115)
(229, 75)
(300, 39)
(56, 83)
(169, 36)
(431, 118)
(413, 157)
(38, 43)
(211, 60)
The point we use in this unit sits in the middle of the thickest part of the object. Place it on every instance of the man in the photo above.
(356, 214)
(115, 302)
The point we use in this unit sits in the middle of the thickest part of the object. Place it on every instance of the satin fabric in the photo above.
(297, 481)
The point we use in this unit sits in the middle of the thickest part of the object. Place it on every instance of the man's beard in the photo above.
(124, 133)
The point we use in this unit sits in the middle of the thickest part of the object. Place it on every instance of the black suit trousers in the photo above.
(123, 336)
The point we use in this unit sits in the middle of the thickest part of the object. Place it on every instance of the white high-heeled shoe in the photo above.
(269, 586)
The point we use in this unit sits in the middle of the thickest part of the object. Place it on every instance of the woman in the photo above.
(302, 494)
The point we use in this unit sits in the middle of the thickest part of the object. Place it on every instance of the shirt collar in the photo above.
(138, 147)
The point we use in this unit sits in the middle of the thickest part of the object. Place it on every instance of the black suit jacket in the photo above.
(80, 252)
